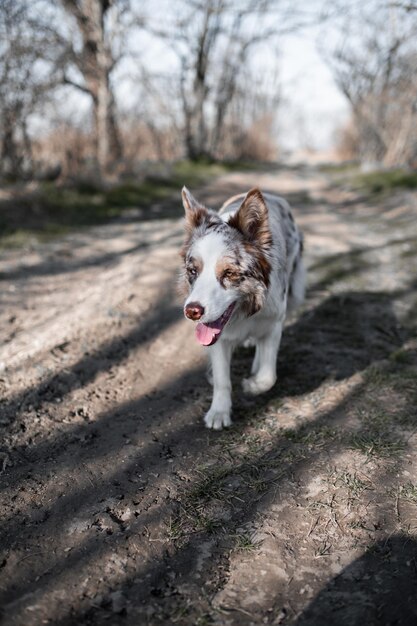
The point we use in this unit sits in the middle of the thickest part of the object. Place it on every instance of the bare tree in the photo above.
(213, 41)
(86, 61)
(44, 45)
(249, 130)
(374, 65)
(406, 6)
(23, 84)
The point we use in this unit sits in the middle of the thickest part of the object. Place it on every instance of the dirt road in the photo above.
(118, 507)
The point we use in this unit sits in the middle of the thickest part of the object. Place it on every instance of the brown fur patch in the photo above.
(251, 219)
(194, 263)
(228, 272)
(252, 304)
(195, 217)
(187, 277)
(256, 281)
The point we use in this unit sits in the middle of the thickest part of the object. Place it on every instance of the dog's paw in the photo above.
(217, 419)
(256, 385)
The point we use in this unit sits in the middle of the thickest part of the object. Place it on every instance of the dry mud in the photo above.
(118, 507)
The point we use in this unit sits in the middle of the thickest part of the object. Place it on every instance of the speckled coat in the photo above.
(242, 270)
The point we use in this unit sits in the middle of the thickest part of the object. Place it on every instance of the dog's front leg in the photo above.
(219, 413)
(265, 363)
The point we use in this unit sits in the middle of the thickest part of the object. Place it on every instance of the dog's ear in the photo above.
(251, 219)
(195, 212)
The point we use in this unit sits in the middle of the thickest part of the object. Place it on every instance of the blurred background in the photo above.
(101, 89)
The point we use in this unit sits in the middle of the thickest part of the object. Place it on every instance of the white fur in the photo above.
(207, 289)
(263, 329)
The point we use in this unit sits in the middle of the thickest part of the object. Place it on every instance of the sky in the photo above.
(312, 107)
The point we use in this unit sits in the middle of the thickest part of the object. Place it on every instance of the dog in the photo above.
(242, 270)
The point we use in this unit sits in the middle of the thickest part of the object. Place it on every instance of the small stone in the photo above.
(126, 515)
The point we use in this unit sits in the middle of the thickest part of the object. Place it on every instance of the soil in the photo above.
(118, 506)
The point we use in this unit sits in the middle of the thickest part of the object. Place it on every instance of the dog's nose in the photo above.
(194, 311)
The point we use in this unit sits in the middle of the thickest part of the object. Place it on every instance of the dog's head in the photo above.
(226, 263)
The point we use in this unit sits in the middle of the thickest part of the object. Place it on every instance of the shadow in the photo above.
(53, 211)
(151, 574)
(378, 589)
(161, 315)
(341, 336)
(351, 264)
(109, 435)
(143, 468)
(55, 266)
(151, 582)
(169, 209)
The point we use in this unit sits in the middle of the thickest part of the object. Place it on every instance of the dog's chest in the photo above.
(251, 327)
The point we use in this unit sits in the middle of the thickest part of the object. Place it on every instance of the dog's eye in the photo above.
(228, 274)
(192, 271)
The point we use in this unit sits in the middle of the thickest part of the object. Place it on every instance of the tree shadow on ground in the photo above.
(56, 266)
(341, 336)
(378, 589)
(110, 353)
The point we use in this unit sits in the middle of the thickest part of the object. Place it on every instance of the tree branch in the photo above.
(73, 83)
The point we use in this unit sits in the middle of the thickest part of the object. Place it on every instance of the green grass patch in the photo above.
(398, 373)
(403, 357)
(353, 483)
(53, 210)
(311, 437)
(385, 181)
(389, 405)
(409, 492)
(345, 167)
(375, 443)
(244, 543)
(210, 486)
(23, 237)
(207, 524)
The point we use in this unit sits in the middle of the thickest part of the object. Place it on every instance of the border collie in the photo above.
(242, 270)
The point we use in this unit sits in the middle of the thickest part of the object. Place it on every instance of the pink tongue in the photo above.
(206, 335)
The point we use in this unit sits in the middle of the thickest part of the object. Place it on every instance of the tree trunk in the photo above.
(196, 139)
(108, 146)
(95, 62)
(12, 154)
(196, 134)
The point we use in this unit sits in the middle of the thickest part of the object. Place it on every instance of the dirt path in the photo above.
(117, 506)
